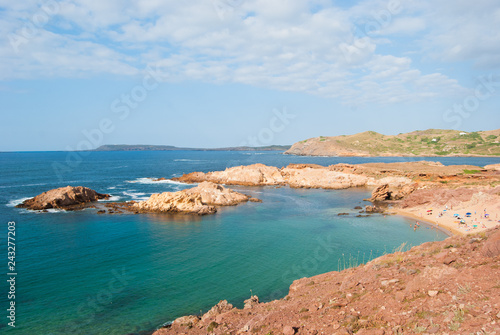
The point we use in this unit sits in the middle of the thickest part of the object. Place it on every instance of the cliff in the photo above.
(431, 142)
(447, 287)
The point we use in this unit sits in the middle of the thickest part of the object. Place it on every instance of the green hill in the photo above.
(431, 142)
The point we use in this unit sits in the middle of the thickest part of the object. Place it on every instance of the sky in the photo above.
(76, 74)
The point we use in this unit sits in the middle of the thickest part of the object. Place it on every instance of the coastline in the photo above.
(393, 155)
(450, 231)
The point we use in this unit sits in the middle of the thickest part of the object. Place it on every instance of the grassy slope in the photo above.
(419, 143)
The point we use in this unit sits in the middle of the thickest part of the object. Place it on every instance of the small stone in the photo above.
(432, 293)
(433, 330)
(289, 330)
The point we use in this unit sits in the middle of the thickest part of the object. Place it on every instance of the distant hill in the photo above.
(139, 147)
(431, 142)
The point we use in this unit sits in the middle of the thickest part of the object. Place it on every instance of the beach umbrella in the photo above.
(468, 213)
(430, 210)
(456, 215)
(462, 221)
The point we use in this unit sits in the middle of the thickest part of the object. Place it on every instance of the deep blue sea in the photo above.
(84, 273)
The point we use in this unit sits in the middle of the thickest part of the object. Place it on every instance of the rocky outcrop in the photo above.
(495, 167)
(381, 193)
(222, 307)
(251, 302)
(250, 175)
(435, 288)
(403, 191)
(295, 175)
(217, 195)
(373, 209)
(385, 192)
(321, 177)
(174, 202)
(492, 246)
(200, 200)
(69, 197)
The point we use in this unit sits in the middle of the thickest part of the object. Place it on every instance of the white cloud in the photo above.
(269, 43)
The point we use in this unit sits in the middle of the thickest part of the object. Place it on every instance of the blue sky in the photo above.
(216, 73)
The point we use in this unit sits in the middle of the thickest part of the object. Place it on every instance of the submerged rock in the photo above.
(69, 197)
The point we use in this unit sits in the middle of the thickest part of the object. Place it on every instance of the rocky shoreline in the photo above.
(418, 291)
(411, 188)
(200, 200)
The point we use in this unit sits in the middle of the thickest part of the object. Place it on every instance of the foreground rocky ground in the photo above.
(447, 287)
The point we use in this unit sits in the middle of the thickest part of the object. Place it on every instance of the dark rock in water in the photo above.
(362, 216)
(339, 214)
(101, 212)
(358, 207)
(68, 197)
(373, 209)
(254, 200)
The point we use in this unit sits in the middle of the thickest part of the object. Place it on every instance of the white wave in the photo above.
(112, 198)
(153, 181)
(136, 195)
(15, 202)
(111, 188)
(54, 210)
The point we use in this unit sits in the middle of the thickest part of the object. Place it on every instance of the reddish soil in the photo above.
(447, 287)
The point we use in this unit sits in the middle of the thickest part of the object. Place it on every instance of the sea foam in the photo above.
(153, 181)
(15, 202)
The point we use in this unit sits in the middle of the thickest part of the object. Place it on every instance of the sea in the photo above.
(86, 273)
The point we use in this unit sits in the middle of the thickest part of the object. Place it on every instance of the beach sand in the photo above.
(443, 216)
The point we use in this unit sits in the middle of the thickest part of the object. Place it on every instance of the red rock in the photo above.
(289, 330)
(251, 302)
(492, 246)
(222, 307)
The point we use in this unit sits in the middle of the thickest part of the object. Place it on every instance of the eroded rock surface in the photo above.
(250, 175)
(201, 200)
(69, 197)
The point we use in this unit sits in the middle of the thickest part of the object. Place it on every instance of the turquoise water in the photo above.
(84, 273)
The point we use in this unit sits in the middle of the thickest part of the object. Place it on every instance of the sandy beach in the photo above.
(483, 215)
